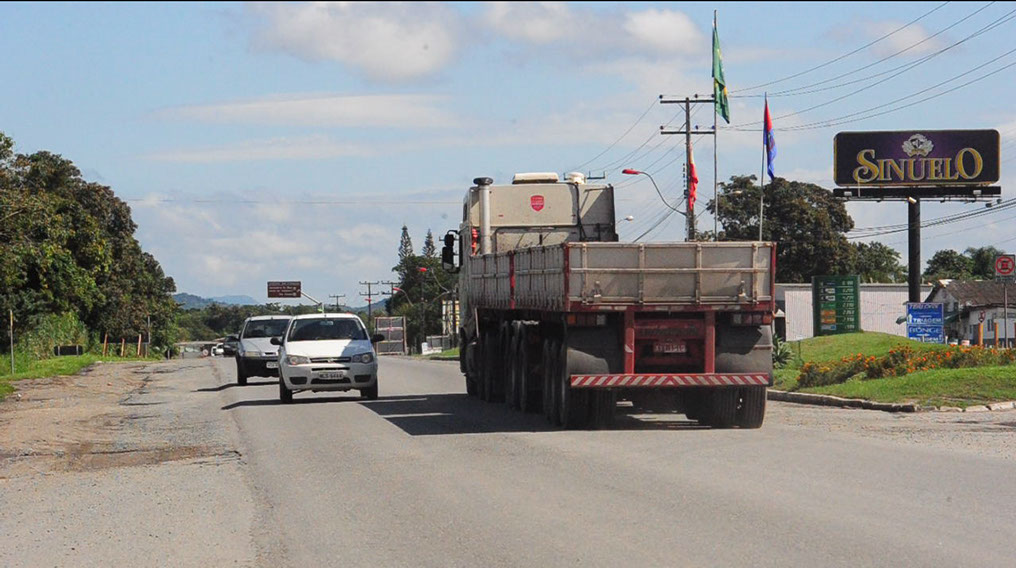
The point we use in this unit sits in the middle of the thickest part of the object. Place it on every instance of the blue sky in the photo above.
(260, 142)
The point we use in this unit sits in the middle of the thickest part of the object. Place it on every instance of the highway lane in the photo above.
(428, 477)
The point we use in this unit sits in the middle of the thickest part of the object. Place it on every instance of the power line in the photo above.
(830, 62)
(621, 137)
(906, 67)
(291, 202)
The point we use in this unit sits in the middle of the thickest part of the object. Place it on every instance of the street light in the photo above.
(631, 172)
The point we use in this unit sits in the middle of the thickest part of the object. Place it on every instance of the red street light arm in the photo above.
(631, 172)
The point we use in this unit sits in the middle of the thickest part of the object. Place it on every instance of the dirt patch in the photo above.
(103, 417)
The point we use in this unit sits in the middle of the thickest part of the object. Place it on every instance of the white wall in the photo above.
(881, 305)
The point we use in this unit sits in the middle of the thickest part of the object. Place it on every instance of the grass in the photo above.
(27, 368)
(836, 347)
(446, 353)
(937, 387)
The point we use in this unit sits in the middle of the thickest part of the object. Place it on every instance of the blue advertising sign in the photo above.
(925, 322)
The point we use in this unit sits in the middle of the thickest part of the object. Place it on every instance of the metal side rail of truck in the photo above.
(560, 318)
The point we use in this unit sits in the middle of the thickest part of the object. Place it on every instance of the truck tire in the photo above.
(525, 378)
(285, 395)
(722, 408)
(511, 383)
(549, 364)
(369, 393)
(572, 404)
(603, 405)
(489, 366)
(752, 410)
(241, 374)
(468, 353)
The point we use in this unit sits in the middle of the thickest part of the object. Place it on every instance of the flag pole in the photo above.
(716, 178)
(762, 178)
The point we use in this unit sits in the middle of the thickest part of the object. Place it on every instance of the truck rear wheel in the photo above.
(752, 410)
(522, 372)
(572, 404)
(511, 383)
(550, 365)
(722, 408)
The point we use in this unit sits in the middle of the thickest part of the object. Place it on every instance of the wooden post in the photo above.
(980, 333)
(996, 335)
(139, 346)
(123, 346)
(105, 344)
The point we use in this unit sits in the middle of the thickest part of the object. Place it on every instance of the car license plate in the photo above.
(670, 348)
(334, 375)
(272, 365)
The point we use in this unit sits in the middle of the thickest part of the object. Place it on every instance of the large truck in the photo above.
(559, 317)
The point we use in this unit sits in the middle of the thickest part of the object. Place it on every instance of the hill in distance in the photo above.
(190, 301)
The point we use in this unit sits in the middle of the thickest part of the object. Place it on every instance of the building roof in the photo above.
(975, 292)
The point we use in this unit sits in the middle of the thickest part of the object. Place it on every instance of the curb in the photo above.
(436, 358)
(829, 400)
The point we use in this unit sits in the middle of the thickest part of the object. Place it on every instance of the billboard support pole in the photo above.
(914, 255)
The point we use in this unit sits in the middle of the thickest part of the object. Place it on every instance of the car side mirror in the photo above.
(377, 338)
(275, 341)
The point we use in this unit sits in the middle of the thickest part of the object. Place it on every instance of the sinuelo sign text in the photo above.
(925, 157)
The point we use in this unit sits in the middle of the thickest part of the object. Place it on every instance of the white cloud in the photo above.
(295, 148)
(395, 41)
(534, 22)
(653, 31)
(402, 111)
(914, 39)
(664, 31)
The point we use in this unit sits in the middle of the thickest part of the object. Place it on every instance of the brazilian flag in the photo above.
(719, 83)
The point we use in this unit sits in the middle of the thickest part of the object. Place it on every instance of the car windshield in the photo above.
(326, 328)
(265, 328)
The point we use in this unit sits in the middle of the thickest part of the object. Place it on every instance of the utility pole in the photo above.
(336, 296)
(369, 295)
(687, 131)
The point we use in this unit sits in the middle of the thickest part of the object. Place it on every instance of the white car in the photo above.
(256, 356)
(326, 352)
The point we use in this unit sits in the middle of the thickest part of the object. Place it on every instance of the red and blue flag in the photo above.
(769, 141)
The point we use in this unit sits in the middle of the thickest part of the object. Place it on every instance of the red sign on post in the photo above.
(284, 289)
(1005, 266)
(536, 202)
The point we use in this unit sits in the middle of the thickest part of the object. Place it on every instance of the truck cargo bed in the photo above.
(580, 276)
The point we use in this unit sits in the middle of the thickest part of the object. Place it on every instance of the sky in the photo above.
(260, 142)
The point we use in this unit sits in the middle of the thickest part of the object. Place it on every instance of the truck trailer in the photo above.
(559, 317)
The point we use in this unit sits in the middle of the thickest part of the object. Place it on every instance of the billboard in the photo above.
(924, 158)
(284, 289)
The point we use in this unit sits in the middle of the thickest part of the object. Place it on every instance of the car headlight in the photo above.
(297, 360)
(363, 358)
(250, 353)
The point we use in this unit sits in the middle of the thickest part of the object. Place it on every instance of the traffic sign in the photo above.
(1005, 266)
(284, 289)
(926, 321)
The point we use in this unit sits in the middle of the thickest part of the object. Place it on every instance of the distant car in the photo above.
(230, 345)
(256, 356)
(327, 352)
(218, 350)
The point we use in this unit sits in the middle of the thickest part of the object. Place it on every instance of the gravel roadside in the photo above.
(123, 464)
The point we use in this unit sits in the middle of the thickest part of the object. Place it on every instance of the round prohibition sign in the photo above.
(1005, 266)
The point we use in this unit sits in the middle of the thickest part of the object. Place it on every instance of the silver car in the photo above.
(326, 352)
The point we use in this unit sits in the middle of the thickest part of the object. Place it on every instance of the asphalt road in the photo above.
(428, 477)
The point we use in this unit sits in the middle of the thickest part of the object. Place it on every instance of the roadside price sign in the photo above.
(1005, 267)
(836, 304)
(284, 289)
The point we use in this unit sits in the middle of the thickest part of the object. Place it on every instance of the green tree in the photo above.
(429, 250)
(876, 262)
(807, 223)
(949, 264)
(982, 261)
(405, 245)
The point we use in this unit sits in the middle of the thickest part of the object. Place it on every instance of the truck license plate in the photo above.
(338, 375)
(670, 348)
(272, 365)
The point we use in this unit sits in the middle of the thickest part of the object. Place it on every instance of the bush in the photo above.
(51, 330)
(782, 353)
(824, 374)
